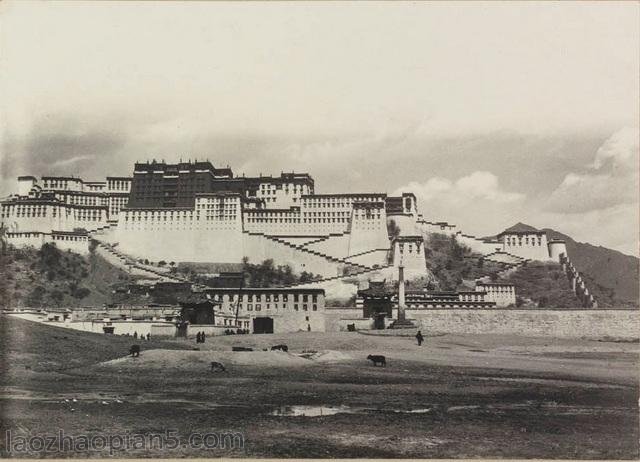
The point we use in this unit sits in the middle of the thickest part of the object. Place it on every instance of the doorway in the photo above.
(263, 325)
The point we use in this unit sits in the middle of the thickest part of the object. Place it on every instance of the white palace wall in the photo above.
(75, 243)
(406, 223)
(368, 228)
(531, 246)
(45, 217)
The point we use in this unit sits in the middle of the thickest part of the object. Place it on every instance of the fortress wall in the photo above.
(297, 321)
(47, 217)
(406, 223)
(76, 198)
(336, 319)
(272, 222)
(363, 240)
(334, 246)
(27, 239)
(39, 218)
(78, 244)
(547, 323)
(368, 228)
(75, 243)
(411, 254)
(196, 245)
(556, 250)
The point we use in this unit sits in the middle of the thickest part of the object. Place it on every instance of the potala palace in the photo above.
(195, 212)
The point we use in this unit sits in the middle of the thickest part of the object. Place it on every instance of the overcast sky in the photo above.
(492, 113)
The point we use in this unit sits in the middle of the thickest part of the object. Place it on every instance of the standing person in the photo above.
(135, 334)
(149, 336)
(198, 337)
(202, 337)
(419, 338)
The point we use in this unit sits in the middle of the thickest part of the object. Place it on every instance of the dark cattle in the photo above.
(216, 366)
(241, 349)
(134, 350)
(377, 359)
(280, 347)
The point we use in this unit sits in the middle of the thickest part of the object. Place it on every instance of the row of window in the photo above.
(296, 307)
(472, 298)
(265, 297)
(337, 202)
(499, 289)
(409, 247)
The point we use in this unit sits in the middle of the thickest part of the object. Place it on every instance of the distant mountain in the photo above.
(617, 274)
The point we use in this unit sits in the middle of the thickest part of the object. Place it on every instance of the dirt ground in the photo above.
(455, 396)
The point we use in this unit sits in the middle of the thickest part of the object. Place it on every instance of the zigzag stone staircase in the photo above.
(131, 265)
(337, 278)
(349, 265)
(505, 260)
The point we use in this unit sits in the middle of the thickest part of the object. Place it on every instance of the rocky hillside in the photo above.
(610, 274)
(51, 277)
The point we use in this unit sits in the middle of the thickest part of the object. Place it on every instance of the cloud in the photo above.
(72, 160)
(479, 185)
(600, 204)
(610, 180)
(476, 202)
(621, 149)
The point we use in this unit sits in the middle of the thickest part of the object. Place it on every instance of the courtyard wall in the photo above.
(553, 323)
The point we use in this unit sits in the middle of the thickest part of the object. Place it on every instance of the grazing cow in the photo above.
(377, 359)
(241, 349)
(280, 347)
(134, 350)
(216, 366)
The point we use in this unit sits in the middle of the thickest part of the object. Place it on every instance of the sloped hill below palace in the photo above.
(51, 277)
(609, 274)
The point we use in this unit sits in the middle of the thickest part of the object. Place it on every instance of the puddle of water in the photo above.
(314, 411)
(320, 411)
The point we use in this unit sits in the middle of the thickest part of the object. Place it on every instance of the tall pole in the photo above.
(401, 300)
(239, 298)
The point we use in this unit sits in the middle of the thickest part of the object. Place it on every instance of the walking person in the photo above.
(419, 338)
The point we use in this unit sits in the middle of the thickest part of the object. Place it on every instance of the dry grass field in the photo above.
(455, 396)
